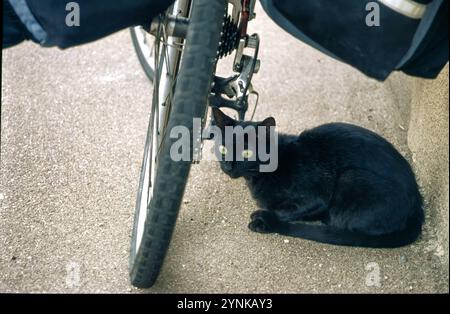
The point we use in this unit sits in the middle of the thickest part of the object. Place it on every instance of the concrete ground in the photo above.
(72, 134)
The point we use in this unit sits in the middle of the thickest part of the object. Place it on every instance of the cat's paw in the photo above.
(263, 221)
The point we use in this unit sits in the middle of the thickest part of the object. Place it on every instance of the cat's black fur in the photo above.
(349, 178)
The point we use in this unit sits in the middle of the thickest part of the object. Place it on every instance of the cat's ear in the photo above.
(268, 122)
(221, 119)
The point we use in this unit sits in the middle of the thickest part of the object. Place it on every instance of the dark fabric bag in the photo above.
(338, 28)
(45, 20)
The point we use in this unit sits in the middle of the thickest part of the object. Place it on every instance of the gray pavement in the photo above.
(72, 134)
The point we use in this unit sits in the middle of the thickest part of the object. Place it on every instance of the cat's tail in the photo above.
(331, 235)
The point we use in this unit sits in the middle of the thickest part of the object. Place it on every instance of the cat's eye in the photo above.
(223, 150)
(247, 153)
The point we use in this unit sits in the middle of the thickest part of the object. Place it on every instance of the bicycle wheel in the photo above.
(143, 44)
(162, 180)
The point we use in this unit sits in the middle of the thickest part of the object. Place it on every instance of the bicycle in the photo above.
(189, 39)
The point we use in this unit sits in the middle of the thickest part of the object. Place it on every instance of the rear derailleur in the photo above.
(234, 91)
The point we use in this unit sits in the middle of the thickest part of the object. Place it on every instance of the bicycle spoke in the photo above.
(153, 116)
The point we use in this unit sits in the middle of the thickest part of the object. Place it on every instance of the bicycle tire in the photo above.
(190, 100)
(146, 66)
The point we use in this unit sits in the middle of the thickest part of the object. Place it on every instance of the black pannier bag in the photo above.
(45, 21)
(376, 37)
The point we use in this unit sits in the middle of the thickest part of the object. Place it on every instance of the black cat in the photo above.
(349, 178)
